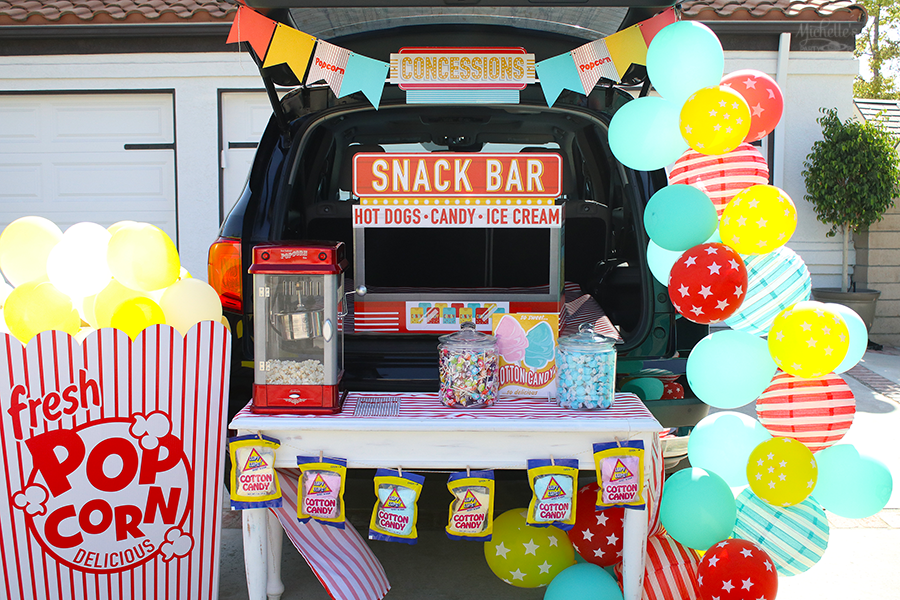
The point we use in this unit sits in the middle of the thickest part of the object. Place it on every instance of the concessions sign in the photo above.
(462, 68)
(456, 189)
(112, 459)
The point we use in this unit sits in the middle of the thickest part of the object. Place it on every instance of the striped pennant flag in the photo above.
(795, 537)
(593, 62)
(340, 558)
(815, 412)
(670, 572)
(721, 176)
(329, 64)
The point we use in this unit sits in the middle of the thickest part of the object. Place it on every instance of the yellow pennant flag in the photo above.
(626, 47)
(292, 47)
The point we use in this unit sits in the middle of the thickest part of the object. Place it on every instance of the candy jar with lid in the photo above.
(469, 368)
(586, 363)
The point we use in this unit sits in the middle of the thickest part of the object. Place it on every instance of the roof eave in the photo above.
(107, 30)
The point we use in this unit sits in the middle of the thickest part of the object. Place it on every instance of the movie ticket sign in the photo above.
(113, 462)
(457, 175)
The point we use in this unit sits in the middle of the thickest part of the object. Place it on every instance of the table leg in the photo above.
(255, 551)
(274, 585)
(634, 552)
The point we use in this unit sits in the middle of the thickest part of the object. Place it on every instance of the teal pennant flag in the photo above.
(557, 74)
(366, 75)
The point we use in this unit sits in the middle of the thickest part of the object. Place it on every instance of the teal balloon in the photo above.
(585, 582)
(682, 58)
(661, 261)
(728, 369)
(697, 508)
(859, 336)
(850, 484)
(644, 134)
(715, 238)
(722, 443)
(646, 388)
(679, 217)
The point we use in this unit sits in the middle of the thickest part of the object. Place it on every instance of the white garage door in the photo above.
(243, 120)
(88, 157)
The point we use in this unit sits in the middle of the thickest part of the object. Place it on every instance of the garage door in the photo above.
(243, 119)
(88, 157)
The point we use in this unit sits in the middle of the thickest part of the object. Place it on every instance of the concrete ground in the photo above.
(861, 560)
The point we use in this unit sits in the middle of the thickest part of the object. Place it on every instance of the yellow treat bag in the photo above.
(620, 474)
(395, 513)
(321, 490)
(554, 484)
(472, 509)
(254, 483)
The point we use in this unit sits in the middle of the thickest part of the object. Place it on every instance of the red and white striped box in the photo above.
(113, 460)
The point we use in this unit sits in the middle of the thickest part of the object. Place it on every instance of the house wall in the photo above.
(878, 253)
(814, 80)
(196, 79)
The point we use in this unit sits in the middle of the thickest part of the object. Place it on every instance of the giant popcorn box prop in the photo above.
(113, 461)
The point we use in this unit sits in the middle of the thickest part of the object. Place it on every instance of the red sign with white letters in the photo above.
(112, 457)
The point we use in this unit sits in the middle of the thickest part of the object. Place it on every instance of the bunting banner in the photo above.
(329, 64)
(345, 72)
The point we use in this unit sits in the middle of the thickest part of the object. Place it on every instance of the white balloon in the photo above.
(189, 301)
(77, 264)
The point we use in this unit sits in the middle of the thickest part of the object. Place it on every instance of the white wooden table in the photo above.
(425, 435)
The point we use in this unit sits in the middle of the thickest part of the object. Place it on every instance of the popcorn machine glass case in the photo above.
(298, 340)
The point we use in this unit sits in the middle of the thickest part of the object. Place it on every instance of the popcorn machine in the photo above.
(298, 341)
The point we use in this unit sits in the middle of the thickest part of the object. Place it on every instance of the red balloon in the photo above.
(672, 391)
(736, 569)
(764, 97)
(597, 535)
(708, 283)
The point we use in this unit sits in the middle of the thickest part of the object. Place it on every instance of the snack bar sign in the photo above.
(456, 189)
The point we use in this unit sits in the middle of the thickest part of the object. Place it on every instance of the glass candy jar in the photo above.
(469, 368)
(586, 364)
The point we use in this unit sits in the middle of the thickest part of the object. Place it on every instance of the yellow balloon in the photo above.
(782, 471)
(758, 219)
(119, 225)
(526, 556)
(808, 339)
(189, 301)
(108, 300)
(142, 257)
(137, 314)
(34, 307)
(715, 120)
(25, 245)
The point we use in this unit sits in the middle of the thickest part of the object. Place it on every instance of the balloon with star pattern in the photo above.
(737, 569)
(708, 283)
(762, 95)
(782, 471)
(808, 339)
(758, 220)
(597, 535)
(526, 556)
(715, 120)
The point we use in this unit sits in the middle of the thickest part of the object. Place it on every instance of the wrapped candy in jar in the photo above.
(586, 375)
(469, 368)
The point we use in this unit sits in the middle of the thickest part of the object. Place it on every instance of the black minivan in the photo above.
(299, 188)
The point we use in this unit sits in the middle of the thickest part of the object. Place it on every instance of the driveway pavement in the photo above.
(860, 563)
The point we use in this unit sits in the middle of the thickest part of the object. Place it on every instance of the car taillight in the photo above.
(225, 272)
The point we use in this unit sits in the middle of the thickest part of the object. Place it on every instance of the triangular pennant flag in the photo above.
(251, 27)
(592, 60)
(627, 47)
(292, 47)
(651, 26)
(365, 75)
(557, 74)
(329, 64)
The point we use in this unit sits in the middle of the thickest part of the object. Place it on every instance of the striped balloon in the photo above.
(795, 537)
(721, 176)
(774, 281)
(816, 412)
(670, 572)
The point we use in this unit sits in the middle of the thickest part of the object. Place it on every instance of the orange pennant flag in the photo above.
(250, 26)
(292, 47)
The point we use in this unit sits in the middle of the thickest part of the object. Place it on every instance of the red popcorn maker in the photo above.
(298, 342)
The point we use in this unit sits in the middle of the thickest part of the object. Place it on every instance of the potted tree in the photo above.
(852, 177)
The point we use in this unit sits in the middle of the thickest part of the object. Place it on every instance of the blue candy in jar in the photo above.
(586, 364)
